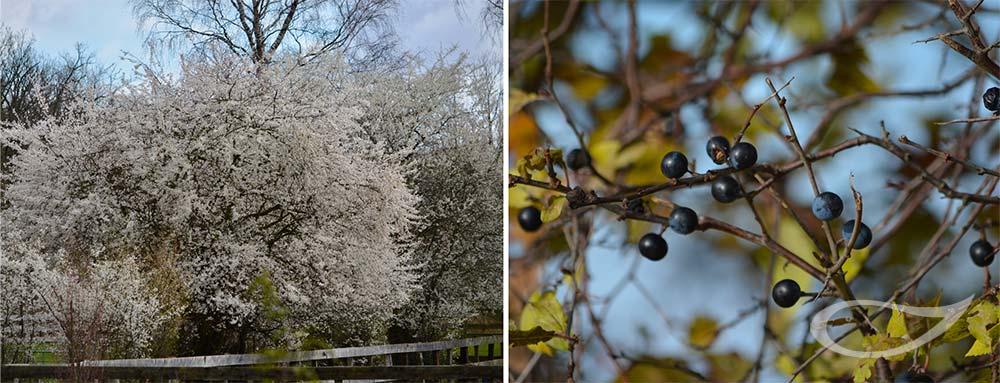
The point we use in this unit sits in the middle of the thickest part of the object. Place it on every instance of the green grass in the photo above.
(42, 353)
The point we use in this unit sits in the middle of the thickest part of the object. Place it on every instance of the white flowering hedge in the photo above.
(232, 169)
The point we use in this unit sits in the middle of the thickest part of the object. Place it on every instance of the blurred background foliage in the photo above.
(701, 313)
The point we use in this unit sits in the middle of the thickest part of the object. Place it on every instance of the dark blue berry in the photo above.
(982, 253)
(653, 247)
(786, 292)
(725, 189)
(718, 149)
(683, 220)
(864, 235)
(913, 377)
(827, 206)
(991, 99)
(577, 159)
(743, 155)
(674, 165)
(529, 218)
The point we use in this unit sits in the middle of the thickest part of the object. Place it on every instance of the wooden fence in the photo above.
(474, 359)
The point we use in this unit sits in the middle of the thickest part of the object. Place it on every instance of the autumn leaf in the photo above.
(554, 209)
(544, 310)
(897, 324)
(702, 332)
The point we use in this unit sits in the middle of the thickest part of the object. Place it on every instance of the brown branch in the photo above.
(753, 112)
(942, 187)
(794, 139)
(969, 120)
(834, 108)
(979, 53)
(538, 45)
(948, 157)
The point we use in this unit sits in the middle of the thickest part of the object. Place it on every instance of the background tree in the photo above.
(446, 130)
(33, 85)
(261, 29)
(629, 264)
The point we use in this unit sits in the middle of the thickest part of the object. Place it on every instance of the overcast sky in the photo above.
(108, 27)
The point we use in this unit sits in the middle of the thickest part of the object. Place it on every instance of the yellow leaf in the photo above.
(848, 77)
(648, 369)
(728, 367)
(554, 209)
(519, 197)
(518, 99)
(985, 316)
(853, 265)
(574, 279)
(978, 348)
(544, 310)
(702, 332)
(636, 229)
(603, 154)
(791, 236)
(897, 324)
(588, 86)
(785, 364)
(863, 370)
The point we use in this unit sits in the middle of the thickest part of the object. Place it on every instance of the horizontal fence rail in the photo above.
(296, 356)
(24, 371)
(283, 367)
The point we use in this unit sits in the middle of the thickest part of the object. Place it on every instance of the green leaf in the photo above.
(960, 329)
(978, 348)
(544, 310)
(882, 342)
(554, 209)
(984, 316)
(522, 168)
(702, 332)
(535, 335)
(897, 324)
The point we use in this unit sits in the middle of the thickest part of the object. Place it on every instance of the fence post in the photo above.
(463, 356)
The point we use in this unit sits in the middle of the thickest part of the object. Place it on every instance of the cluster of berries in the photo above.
(827, 206)
(725, 189)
